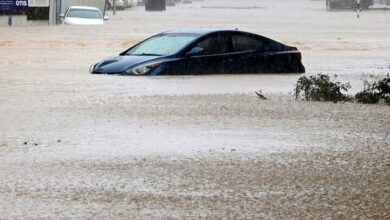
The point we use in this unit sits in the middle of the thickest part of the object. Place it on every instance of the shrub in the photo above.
(320, 88)
(375, 92)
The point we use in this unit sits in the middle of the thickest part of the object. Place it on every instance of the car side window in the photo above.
(217, 44)
(242, 43)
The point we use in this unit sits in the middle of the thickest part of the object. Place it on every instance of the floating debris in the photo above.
(260, 95)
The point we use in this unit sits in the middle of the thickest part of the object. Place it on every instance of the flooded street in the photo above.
(81, 146)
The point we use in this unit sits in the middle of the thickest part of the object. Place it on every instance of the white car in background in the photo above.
(130, 3)
(119, 4)
(82, 15)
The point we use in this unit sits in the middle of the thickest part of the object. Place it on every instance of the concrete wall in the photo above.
(21, 20)
(17, 20)
(3, 21)
(53, 15)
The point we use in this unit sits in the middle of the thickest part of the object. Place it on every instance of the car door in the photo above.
(248, 56)
(210, 61)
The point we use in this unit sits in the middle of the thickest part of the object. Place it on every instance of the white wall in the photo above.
(21, 20)
(17, 20)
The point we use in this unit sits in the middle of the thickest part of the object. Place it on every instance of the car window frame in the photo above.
(66, 13)
(247, 35)
(272, 45)
(203, 38)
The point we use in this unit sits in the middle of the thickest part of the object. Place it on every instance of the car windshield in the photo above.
(84, 13)
(163, 44)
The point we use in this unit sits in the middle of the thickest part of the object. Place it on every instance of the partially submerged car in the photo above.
(203, 51)
(82, 15)
(348, 4)
(119, 4)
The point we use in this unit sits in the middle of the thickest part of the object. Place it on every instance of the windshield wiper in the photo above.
(146, 54)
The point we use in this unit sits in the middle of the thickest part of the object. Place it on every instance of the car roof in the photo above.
(84, 7)
(200, 31)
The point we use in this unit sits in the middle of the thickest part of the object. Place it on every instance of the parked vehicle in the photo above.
(348, 4)
(82, 15)
(155, 5)
(119, 4)
(170, 2)
(130, 3)
(203, 51)
(140, 3)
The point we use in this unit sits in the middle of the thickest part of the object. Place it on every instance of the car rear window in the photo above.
(246, 43)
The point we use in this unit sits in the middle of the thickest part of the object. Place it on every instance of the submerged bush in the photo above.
(375, 92)
(320, 88)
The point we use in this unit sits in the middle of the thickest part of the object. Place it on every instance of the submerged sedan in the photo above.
(82, 15)
(203, 51)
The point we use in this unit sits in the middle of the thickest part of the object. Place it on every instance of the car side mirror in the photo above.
(62, 15)
(105, 17)
(195, 51)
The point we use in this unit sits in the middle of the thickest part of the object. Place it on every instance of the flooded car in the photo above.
(119, 4)
(203, 51)
(82, 15)
(130, 3)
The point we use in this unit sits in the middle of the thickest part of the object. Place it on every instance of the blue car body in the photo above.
(241, 52)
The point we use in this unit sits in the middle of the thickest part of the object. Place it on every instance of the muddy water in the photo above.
(77, 145)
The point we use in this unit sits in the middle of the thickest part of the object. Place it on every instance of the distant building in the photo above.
(39, 12)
